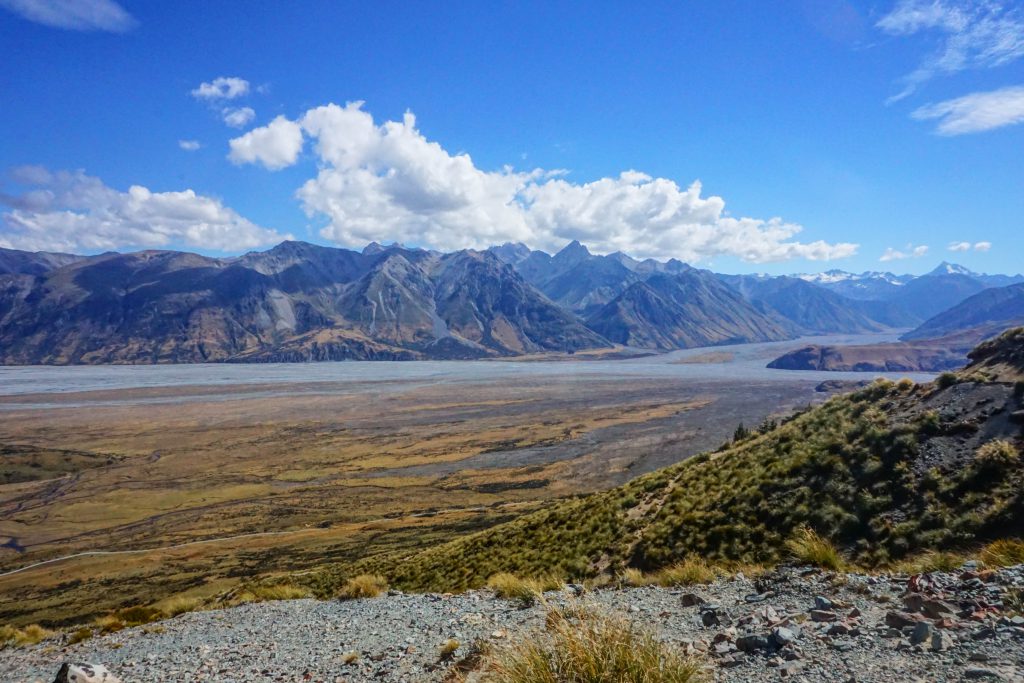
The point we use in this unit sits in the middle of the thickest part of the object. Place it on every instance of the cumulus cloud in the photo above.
(389, 182)
(967, 246)
(275, 145)
(223, 88)
(909, 252)
(238, 117)
(72, 211)
(974, 34)
(189, 145)
(976, 112)
(79, 15)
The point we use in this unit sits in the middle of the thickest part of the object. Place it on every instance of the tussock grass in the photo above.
(811, 548)
(281, 591)
(591, 648)
(1003, 553)
(689, 572)
(448, 649)
(79, 635)
(30, 635)
(510, 587)
(931, 561)
(997, 454)
(635, 578)
(363, 586)
(179, 604)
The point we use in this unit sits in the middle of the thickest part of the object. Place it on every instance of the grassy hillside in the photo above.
(884, 473)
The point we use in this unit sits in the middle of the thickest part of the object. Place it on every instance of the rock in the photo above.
(783, 636)
(923, 632)
(692, 600)
(789, 668)
(839, 629)
(901, 620)
(984, 633)
(752, 643)
(979, 673)
(823, 615)
(822, 603)
(938, 609)
(575, 589)
(940, 642)
(709, 617)
(85, 673)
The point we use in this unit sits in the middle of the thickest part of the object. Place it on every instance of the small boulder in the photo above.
(901, 620)
(823, 615)
(783, 636)
(752, 642)
(692, 600)
(85, 673)
(923, 632)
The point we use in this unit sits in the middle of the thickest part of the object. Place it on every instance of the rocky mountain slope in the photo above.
(295, 302)
(813, 309)
(688, 309)
(989, 311)
(926, 356)
(14, 262)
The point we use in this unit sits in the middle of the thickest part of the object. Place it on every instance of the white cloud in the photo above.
(275, 145)
(71, 211)
(982, 246)
(223, 88)
(388, 182)
(959, 246)
(189, 145)
(976, 112)
(909, 252)
(75, 15)
(238, 117)
(975, 34)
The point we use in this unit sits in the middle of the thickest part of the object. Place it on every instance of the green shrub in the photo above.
(946, 380)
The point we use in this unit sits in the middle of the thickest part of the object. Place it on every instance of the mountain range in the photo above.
(303, 302)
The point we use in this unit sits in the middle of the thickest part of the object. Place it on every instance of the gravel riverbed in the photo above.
(794, 624)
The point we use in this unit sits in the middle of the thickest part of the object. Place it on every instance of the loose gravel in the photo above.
(794, 624)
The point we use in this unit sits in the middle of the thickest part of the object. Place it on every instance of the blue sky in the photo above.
(876, 127)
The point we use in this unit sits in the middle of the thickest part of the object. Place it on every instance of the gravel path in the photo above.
(792, 624)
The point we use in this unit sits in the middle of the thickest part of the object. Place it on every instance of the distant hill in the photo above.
(993, 310)
(813, 309)
(679, 311)
(14, 262)
(294, 302)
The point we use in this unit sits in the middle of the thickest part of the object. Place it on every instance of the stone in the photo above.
(938, 609)
(821, 602)
(85, 673)
(941, 641)
(823, 615)
(901, 619)
(976, 673)
(783, 636)
(752, 642)
(710, 618)
(789, 669)
(691, 600)
(923, 631)
(839, 629)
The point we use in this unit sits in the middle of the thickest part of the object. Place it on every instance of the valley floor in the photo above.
(791, 623)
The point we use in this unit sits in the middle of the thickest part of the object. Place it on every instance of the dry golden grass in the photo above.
(1003, 553)
(809, 547)
(448, 649)
(588, 647)
(931, 561)
(363, 586)
(997, 453)
(689, 572)
(510, 587)
(30, 635)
